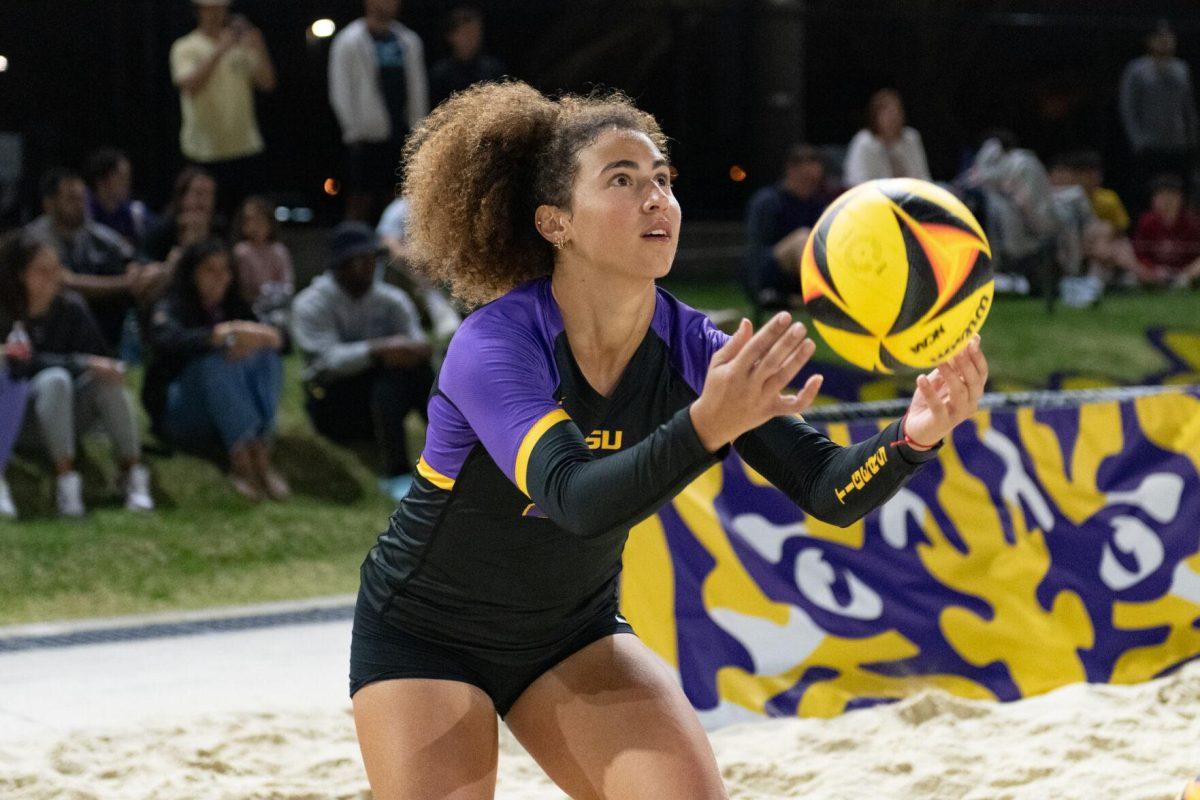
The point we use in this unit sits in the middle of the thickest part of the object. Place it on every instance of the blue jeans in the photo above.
(216, 401)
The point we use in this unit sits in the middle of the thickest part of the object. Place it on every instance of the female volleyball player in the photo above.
(573, 404)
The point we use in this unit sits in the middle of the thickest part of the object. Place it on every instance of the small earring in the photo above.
(560, 244)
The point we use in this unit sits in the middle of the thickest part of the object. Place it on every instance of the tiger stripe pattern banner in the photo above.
(1044, 547)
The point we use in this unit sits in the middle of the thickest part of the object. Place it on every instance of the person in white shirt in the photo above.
(886, 148)
(379, 92)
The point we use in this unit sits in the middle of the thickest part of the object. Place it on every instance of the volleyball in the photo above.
(897, 273)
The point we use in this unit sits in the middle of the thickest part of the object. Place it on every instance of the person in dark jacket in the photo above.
(779, 218)
(214, 376)
(74, 384)
(467, 64)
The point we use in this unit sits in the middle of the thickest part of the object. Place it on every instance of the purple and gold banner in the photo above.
(1043, 547)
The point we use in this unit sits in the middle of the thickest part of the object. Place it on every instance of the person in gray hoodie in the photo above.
(367, 361)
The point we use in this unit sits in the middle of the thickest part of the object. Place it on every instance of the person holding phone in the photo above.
(218, 67)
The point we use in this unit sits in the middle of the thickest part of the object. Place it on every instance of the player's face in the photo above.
(624, 217)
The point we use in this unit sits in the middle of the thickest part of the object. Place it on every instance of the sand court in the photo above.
(263, 713)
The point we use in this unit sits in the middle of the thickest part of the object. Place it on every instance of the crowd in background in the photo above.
(202, 292)
(1056, 231)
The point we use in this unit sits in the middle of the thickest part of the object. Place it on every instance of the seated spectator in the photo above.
(1092, 251)
(1019, 215)
(214, 376)
(12, 411)
(1089, 173)
(779, 219)
(367, 363)
(886, 148)
(432, 303)
(264, 266)
(100, 265)
(74, 385)
(1168, 237)
(467, 64)
(110, 196)
(190, 216)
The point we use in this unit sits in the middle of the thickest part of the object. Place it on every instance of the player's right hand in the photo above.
(745, 378)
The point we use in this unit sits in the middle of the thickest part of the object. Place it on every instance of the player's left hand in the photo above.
(947, 396)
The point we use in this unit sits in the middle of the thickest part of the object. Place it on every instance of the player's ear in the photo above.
(552, 223)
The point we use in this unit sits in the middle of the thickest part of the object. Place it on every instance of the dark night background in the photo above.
(732, 82)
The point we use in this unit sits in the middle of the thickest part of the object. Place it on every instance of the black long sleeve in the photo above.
(835, 484)
(589, 495)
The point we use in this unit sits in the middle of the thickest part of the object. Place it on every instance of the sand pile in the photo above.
(1086, 741)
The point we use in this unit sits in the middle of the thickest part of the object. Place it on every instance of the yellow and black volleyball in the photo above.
(897, 273)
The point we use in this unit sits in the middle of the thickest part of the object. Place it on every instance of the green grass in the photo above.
(205, 546)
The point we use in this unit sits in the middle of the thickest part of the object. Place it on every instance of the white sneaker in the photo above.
(137, 489)
(69, 495)
(7, 509)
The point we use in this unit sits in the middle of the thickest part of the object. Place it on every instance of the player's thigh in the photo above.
(612, 722)
(427, 739)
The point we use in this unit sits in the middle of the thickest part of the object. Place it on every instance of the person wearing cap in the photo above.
(214, 376)
(217, 68)
(1158, 111)
(367, 361)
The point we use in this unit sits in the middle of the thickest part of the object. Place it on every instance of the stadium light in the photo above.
(737, 174)
(332, 187)
(3, 64)
(323, 28)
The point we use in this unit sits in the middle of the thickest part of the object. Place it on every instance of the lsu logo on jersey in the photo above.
(604, 440)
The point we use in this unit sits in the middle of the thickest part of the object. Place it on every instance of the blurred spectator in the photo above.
(217, 67)
(886, 148)
(100, 265)
(1168, 237)
(214, 378)
(367, 363)
(109, 178)
(1089, 173)
(190, 216)
(779, 219)
(1086, 239)
(74, 384)
(1158, 110)
(264, 266)
(379, 92)
(1019, 215)
(12, 412)
(431, 301)
(467, 63)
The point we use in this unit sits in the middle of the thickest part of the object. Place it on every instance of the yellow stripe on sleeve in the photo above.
(527, 444)
(433, 476)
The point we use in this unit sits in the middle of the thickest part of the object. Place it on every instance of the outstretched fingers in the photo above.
(734, 345)
(761, 343)
(801, 400)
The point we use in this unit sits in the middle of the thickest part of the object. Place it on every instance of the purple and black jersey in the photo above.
(512, 534)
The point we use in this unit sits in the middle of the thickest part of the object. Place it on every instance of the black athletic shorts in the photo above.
(381, 651)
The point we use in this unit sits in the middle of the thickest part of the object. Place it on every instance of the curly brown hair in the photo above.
(480, 165)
